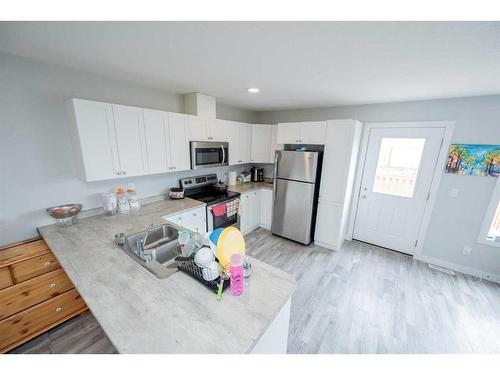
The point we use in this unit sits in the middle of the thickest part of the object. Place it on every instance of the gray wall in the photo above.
(37, 169)
(455, 222)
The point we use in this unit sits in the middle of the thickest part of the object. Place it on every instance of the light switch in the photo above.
(454, 193)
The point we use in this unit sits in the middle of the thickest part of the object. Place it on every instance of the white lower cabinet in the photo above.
(328, 225)
(249, 211)
(194, 220)
(266, 208)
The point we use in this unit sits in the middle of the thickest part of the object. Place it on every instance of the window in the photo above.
(490, 230)
(397, 166)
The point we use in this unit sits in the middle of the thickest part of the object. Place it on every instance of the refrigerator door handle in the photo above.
(275, 175)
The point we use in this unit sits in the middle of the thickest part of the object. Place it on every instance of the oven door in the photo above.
(219, 217)
(209, 154)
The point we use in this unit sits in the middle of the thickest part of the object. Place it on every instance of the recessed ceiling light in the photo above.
(253, 90)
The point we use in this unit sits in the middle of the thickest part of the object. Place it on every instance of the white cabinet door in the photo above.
(274, 142)
(266, 208)
(336, 158)
(218, 130)
(129, 126)
(254, 199)
(329, 227)
(94, 131)
(194, 220)
(289, 132)
(240, 143)
(245, 141)
(178, 142)
(156, 141)
(261, 143)
(198, 128)
(245, 215)
(313, 133)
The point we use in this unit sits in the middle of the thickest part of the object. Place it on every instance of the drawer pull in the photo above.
(53, 285)
(47, 264)
(59, 309)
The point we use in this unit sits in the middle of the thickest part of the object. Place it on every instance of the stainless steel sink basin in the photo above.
(160, 249)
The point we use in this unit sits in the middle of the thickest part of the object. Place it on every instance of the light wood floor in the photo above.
(362, 299)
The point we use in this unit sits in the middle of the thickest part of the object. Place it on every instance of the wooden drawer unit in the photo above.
(34, 267)
(29, 293)
(5, 279)
(37, 319)
(35, 293)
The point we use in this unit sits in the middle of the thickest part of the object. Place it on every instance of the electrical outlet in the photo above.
(467, 250)
(454, 193)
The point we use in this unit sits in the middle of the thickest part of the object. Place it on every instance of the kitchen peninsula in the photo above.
(141, 313)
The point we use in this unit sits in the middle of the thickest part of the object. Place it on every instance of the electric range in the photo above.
(203, 189)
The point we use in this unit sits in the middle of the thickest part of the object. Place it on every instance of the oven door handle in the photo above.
(223, 154)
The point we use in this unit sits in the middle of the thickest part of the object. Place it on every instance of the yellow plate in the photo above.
(230, 242)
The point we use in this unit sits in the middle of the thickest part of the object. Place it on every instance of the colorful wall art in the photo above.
(474, 160)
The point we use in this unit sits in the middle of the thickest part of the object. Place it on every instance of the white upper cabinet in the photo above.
(261, 144)
(93, 131)
(289, 132)
(129, 127)
(201, 129)
(166, 141)
(239, 143)
(218, 130)
(198, 128)
(156, 141)
(177, 138)
(312, 132)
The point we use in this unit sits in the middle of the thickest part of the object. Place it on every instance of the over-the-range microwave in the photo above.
(209, 154)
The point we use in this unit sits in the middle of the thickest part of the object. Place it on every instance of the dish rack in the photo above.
(192, 269)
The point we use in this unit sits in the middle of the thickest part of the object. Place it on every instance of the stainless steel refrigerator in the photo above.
(295, 194)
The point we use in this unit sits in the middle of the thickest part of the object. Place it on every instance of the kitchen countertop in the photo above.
(250, 186)
(141, 313)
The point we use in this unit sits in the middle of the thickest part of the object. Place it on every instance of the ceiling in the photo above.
(295, 64)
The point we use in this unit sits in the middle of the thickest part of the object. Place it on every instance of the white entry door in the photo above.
(397, 178)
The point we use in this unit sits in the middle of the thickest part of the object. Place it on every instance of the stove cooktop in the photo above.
(211, 196)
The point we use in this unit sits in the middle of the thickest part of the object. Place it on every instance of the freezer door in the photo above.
(292, 213)
(296, 165)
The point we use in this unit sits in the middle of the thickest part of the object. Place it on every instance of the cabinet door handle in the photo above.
(53, 285)
(59, 309)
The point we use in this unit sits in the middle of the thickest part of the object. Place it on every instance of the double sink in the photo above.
(155, 249)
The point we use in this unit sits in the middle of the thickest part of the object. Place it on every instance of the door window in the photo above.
(397, 166)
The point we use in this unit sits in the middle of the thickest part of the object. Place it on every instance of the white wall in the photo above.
(455, 222)
(37, 169)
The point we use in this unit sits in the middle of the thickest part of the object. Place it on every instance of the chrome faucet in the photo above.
(141, 243)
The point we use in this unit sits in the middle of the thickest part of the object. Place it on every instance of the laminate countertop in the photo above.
(141, 313)
(250, 186)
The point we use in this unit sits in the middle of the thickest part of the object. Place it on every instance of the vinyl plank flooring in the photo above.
(365, 299)
(361, 299)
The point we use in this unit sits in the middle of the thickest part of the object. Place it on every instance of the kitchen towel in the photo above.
(219, 210)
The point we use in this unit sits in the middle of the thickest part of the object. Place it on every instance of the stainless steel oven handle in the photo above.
(223, 154)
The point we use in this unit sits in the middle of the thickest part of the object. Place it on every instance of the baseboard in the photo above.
(457, 267)
(268, 227)
(326, 245)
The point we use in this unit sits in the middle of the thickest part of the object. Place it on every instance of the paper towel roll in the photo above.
(231, 178)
